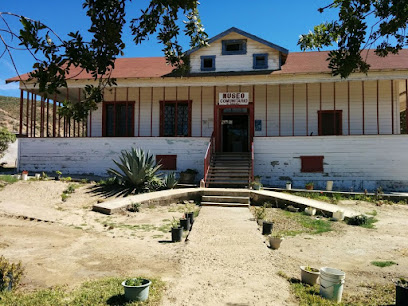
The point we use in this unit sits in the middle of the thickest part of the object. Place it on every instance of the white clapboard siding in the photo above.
(242, 62)
(353, 162)
(94, 155)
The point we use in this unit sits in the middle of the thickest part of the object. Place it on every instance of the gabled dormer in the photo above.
(235, 50)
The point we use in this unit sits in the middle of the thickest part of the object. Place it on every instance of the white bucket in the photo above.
(338, 215)
(329, 185)
(331, 283)
(288, 186)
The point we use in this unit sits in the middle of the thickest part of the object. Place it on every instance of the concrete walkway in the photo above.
(226, 262)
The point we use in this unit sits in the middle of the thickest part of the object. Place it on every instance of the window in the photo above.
(168, 162)
(208, 63)
(175, 118)
(260, 61)
(235, 46)
(330, 122)
(312, 163)
(118, 119)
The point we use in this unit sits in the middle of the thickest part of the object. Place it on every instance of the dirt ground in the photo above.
(66, 243)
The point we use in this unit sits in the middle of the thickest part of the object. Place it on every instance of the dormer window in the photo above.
(260, 61)
(208, 63)
(234, 46)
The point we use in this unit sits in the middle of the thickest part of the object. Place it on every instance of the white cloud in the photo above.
(10, 86)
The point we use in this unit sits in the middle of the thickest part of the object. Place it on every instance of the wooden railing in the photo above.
(252, 162)
(208, 156)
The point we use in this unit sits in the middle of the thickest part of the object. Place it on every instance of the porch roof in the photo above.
(296, 63)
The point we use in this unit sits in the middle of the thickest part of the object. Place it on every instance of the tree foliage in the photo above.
(55, 57)
(361, 24)
(6, 138)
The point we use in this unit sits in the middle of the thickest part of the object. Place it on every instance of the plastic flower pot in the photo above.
(176, 234)
(24, 175)
(190, 216)
(185, 224)
(288, 186)
(275, 242)
(137, 293)
(401, 294)
(309, 276)
(267, 228)
(310, 211)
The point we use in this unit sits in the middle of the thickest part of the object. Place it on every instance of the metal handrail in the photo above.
(252, 157)
(207, 158)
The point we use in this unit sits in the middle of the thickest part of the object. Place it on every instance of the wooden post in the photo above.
(42, 117)
(378, 118)
(27, 111)
(31, 115)
(348, 106)
(334, 108)
(307, 109)
(363, 100)
(114, 112)
(266, 110)
(35, 113)
(20, 131)
(54, 115)
(392, 105)
(151, 111)
(48, 117)
(406, 106)
(279, 90)
(293, 109)
(126, 112)
(176, 110)
(201, 111)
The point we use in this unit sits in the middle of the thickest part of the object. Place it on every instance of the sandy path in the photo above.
(226, 262)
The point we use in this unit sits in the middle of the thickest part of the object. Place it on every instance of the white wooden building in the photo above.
(246, 102)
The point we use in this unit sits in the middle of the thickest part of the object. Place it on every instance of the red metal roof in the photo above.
(296, 62)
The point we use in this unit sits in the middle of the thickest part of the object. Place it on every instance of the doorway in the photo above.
(234, 131)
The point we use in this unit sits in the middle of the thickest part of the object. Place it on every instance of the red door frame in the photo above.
(217, 123)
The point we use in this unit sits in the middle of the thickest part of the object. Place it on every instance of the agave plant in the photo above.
(136, 168)
(170, 181)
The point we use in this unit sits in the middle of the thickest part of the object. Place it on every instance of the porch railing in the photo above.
(208, 156)
(252, 161)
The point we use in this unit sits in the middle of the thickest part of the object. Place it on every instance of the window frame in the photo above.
(338, 114)
(162, 104)
(234, 41)
(130, 133)
(204, 57)
(264, 66)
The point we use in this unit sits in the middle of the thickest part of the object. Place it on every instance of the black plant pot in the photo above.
(267, 228)
(401, 295)
(185, 224)
(190, 216)
(176, 234)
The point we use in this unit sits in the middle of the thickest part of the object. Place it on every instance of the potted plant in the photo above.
(256, 185)
(188, 176)
(59, 174)
(309, 186)
(176, 231)
(24, 175)
(275, 241)
(401, 286)
(185, 223)
(288, 185)
(267, 227)
(309, 275)
(257, 178)
(190, 215)
(136, 289)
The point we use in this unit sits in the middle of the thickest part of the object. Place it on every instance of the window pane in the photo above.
(182, 119)
(330, 123)
(169, 119)
(260, 60)
(233, 47)
(208, 63)
(118, 111)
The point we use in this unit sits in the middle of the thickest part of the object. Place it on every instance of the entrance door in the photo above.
(235, 132)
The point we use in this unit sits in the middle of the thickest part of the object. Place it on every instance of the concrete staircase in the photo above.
(225, 198)
(230, 170)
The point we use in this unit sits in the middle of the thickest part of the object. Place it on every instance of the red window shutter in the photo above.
(169, 162)
(312, 163)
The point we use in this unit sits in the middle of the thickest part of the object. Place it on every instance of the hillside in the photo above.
(10, 113)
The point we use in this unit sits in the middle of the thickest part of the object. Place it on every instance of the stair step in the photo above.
(231, 179)
(225, 199)
(217, 174)
(224, 204)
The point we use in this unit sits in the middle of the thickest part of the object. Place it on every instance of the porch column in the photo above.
(406, 106)
(21, 111)
(392, 105)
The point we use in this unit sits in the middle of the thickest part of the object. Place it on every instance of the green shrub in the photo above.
(170, 181)
(260, 213)
(137, 170)
(10, 274)
(134, 207)
(358, 220)
(5, 139)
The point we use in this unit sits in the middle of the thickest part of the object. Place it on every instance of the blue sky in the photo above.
(280, 22)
